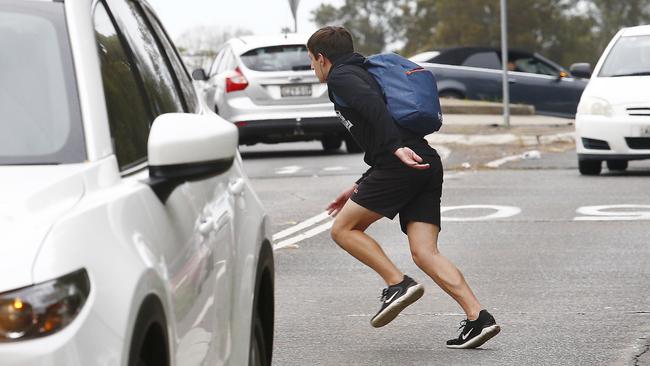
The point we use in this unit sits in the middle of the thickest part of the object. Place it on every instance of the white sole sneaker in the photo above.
(413, 294)
(486, 334)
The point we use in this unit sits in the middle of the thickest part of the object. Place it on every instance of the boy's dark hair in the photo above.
(331, 42)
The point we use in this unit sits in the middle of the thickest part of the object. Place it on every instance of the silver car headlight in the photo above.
(595, 106)
(42, 309)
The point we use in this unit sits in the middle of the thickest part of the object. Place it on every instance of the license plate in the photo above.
(295, 91)
(644, 131)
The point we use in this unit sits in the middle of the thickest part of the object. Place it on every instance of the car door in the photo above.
(540, 84)
(209, 86)
(482, 79)
(225, 68)
(193, 226)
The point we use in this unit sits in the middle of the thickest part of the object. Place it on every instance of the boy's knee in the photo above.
(337, 233)
(420, 255)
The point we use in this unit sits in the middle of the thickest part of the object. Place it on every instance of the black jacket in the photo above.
(359, 103)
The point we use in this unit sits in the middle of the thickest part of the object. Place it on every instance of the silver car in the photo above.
(265, 86)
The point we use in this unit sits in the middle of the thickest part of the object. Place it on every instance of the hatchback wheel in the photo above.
(257, 354)
(617, 165)
(331, 143)
(590, 167)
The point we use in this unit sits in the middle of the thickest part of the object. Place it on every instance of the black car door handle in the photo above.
(512, 81)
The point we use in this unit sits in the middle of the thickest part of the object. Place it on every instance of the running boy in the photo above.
(405, 177)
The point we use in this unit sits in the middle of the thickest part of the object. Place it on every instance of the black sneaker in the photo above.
(395, 299)
(473, 333)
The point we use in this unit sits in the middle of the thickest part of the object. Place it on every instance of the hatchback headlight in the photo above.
(42, 309)
(595, 106)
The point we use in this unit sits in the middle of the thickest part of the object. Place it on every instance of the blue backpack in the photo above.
(410, 92)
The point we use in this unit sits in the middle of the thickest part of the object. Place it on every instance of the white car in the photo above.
(265, 86)
(613, 119)
(129, 234)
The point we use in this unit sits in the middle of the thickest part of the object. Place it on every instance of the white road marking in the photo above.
(306, 235)
(600, 213)
(501, 212)
(335, 169)
(497, 163)
(292, 169)
(303, 225)
(528, 155)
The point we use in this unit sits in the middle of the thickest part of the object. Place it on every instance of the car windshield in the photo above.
(277, 58)
(630, 56)
(40, 121)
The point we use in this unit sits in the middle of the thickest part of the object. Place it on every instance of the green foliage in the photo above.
(566, 31)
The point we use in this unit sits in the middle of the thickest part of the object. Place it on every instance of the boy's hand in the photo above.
(335, 206)
(410, 158)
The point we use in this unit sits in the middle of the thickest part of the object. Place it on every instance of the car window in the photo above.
(158, 80)
(227, 62)
(125, 101)
(216, 63)
(41, 119)
(277, 58)
(487, 60)
(534, 66)
(182, 75)
(628, 57)
(231, 61)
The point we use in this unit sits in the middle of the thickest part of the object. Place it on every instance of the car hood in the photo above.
(620, 90)
(32, 198)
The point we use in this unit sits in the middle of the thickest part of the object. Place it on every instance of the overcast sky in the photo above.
(258, 16)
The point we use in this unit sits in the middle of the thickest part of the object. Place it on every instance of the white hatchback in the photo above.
(129, 234)
(613, 119)
(265, 86)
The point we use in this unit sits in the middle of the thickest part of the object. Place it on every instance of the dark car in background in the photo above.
(475, 73)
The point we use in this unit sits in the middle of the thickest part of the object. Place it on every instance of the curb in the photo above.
(462, 106)
(500, 139)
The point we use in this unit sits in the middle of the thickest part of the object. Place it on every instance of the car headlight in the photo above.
(42, 309)
(595, 106)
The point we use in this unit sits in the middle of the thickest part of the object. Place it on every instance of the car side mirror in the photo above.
(184, 147)
(581, 70)
(199, 74)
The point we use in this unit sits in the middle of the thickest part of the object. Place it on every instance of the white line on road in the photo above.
(292, 169)
(306, 235)
(335, 169)
(528, 155)
(303, 225)
(497, 163)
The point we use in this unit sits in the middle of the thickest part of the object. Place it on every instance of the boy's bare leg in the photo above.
(423, 240)
(348, 233)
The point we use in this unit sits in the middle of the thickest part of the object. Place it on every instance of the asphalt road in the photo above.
(568, 282)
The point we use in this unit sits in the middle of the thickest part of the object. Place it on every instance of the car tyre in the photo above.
(331, 143)
(262, 319)
(257, 353)
(590, 167)
(352, 146)
(617, 165)
(149, 344)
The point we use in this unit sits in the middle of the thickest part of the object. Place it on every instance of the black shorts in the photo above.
(414, 194)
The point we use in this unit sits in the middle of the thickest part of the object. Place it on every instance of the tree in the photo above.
(565, 31)
(369, 22)
(199, 45)
(610, 16)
